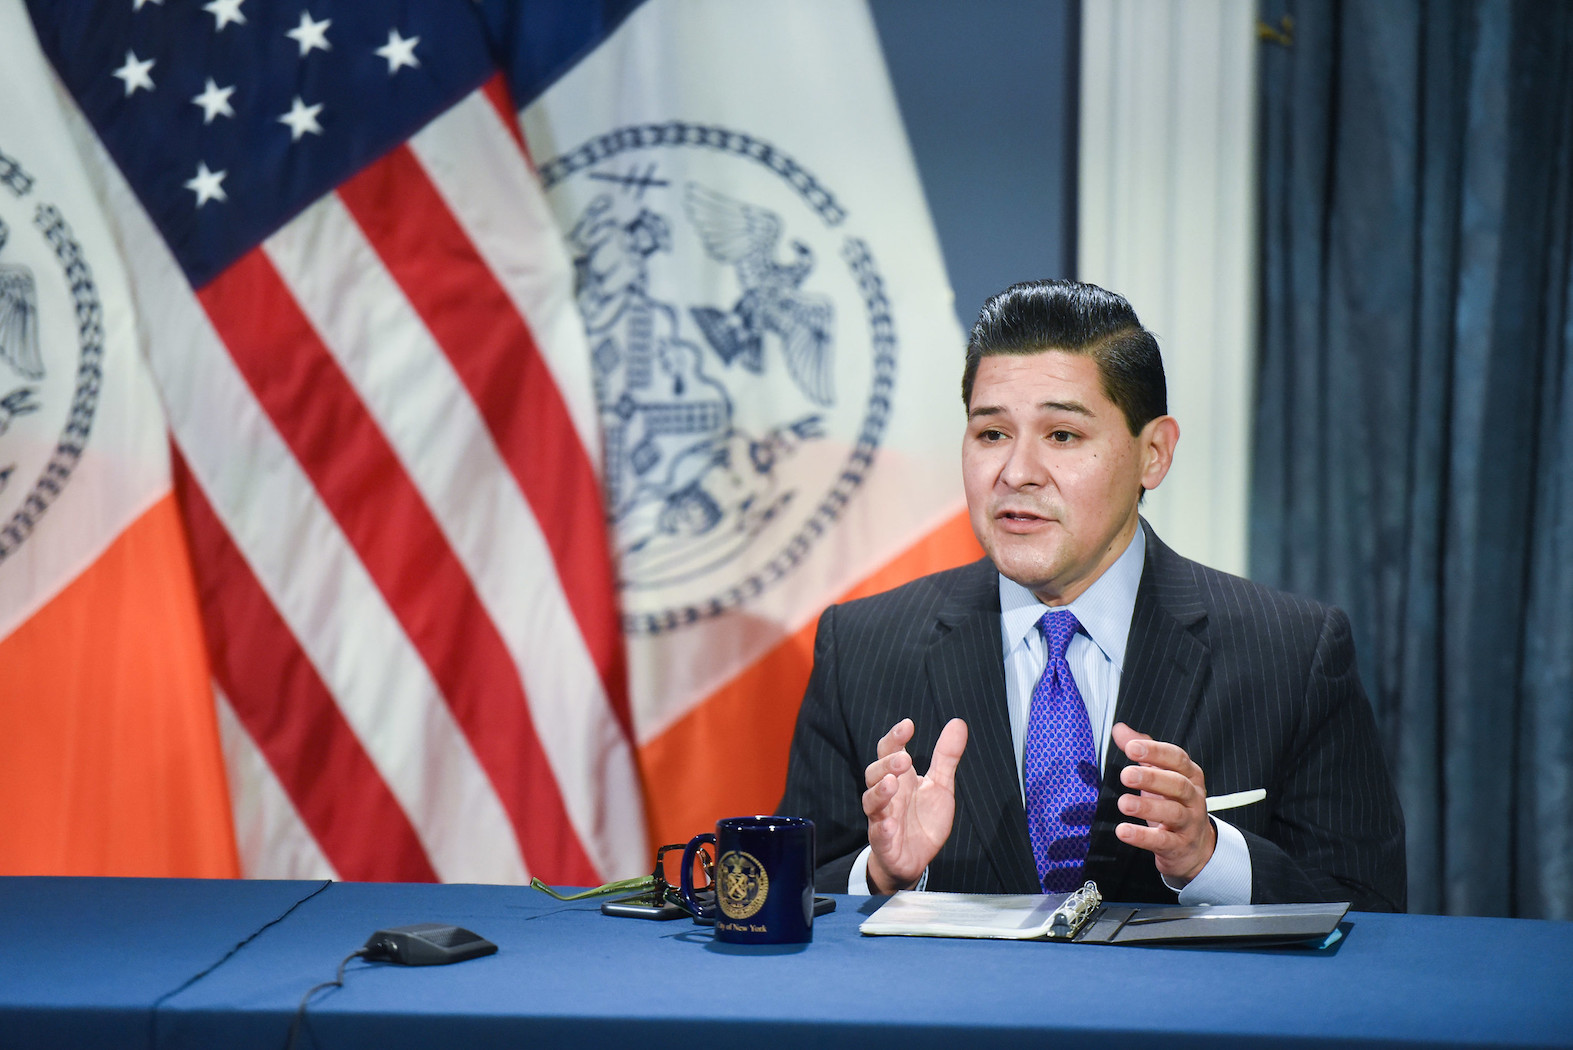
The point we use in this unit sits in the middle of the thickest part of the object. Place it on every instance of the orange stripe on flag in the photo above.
(728, 756)
(112, 761)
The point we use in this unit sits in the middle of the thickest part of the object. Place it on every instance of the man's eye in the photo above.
(989, 435)
(1061, 437)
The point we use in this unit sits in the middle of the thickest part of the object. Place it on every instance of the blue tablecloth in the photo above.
(176, 963)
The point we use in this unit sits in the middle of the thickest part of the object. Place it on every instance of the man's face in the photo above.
(1053, 473)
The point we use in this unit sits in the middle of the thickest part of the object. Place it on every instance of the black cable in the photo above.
(153, 1020)
(300, 1011)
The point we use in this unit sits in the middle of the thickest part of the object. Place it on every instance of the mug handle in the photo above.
(701, 909)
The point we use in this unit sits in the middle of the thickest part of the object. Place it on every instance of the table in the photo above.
(189, 963)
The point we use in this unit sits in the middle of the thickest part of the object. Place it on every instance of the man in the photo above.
(1086, 703)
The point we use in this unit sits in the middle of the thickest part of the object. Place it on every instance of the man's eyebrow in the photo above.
(1073, 407)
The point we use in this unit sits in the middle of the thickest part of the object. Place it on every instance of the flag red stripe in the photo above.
(280, 699)
(449, 284)
(363, 484)
(496, 92)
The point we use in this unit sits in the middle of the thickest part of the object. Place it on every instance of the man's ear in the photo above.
(1157, 441)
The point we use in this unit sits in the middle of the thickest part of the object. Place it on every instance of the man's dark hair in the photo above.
(1077, 318)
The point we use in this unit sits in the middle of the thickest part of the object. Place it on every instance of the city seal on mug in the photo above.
(742, 885)
(764, 880)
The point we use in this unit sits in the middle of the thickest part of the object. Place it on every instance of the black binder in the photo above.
(1081, 917)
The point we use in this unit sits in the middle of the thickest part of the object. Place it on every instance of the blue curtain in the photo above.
(1414, 430)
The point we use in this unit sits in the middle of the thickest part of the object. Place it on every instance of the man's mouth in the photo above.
(1020, 518)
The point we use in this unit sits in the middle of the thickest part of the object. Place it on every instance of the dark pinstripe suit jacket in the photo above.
(1259, 687)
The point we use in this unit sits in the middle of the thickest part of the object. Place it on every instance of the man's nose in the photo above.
(1026, 466)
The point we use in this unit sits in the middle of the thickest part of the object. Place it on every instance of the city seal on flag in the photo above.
(742, 352)
(51, 349)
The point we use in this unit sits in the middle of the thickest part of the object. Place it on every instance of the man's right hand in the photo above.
(909, 816)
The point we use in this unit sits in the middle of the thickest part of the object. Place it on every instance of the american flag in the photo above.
(360, 317)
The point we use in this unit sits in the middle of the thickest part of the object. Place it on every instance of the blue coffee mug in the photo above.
(764, 880)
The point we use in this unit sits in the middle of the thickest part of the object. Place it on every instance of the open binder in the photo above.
(1083, 918)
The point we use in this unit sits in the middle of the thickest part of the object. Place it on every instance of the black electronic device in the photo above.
(651, 905)
(426, 944)
(822, 906)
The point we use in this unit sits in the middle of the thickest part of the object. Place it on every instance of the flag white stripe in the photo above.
(310, 572)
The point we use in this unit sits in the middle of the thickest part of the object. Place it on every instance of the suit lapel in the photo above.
(1166, 664)
(966, 668)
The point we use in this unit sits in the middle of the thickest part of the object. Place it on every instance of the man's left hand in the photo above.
(1173, 802)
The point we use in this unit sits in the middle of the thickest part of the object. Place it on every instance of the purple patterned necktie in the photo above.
(1060, 766)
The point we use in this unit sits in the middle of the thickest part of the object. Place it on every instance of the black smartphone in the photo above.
(643, 906)
(651, 906)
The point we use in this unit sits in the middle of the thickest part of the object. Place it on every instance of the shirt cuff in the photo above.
(857, 879)
(1226, 877)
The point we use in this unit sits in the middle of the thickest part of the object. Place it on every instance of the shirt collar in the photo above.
(1104, 609)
